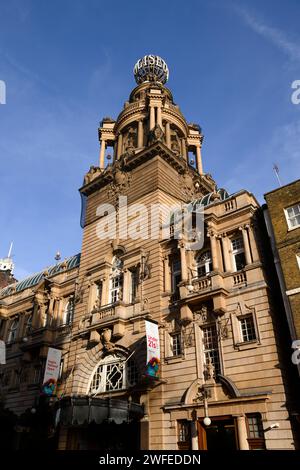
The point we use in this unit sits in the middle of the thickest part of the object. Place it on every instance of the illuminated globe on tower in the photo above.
(151, 68)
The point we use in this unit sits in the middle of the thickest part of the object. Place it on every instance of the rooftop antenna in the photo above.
(276, 170)
(10, 249)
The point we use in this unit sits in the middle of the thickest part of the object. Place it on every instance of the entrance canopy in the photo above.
(78, 411)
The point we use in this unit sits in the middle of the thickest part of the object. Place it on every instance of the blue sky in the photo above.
(67, 64)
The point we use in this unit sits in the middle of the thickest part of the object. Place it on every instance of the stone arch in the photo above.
(85, 368)
(225, 388)
(191, 391)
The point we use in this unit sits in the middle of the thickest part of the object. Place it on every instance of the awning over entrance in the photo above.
(78, 411)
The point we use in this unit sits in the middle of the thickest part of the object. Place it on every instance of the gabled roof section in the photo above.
(66, 265)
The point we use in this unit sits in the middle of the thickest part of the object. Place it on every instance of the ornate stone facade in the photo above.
(217, 322)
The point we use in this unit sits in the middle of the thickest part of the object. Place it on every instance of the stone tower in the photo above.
(217, 324)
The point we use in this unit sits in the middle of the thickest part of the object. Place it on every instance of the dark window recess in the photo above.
(176, 278)
(184, 436)
(256, 438)
(240, 261)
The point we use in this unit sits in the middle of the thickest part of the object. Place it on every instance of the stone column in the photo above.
(102, 153)
(126, 286)
(183, 147)
(214, 252)
(253, 244)
(194, 435)
(140, 134)
(199, 159)
(168, 135)
(246, 245)
(105, 290)
(225, 248)
(159, 120)
(184, 274)
(20, 332)
(152, 117)
(167, 274)
(5, 329)
(242, 432)
(120, 144)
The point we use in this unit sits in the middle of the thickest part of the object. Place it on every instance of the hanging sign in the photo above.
(51, 372)
(153, 350)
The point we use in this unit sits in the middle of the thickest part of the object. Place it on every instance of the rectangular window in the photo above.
(176, 348)
(116, 284)
(211, 348)
(247, 326)
(184, 436)
(239, 260)
(176, 277)
(293, 216)
(256, 437)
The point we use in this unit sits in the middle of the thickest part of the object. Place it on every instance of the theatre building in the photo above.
(222, 380)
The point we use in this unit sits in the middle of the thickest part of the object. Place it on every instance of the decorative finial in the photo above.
(151, 68)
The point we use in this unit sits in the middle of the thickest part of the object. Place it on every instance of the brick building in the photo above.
(282, 215)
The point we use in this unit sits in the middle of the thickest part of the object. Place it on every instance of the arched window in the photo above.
(113, 373)
(68, 312)
(204, 264)
(116, 280)
(13, 330)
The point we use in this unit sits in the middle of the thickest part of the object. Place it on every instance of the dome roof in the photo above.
(34, 279)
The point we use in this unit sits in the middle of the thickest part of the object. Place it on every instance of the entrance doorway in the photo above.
(220, 435)
(105, 437)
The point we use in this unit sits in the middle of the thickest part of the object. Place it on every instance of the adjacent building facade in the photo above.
(222, 382)
(282, 215)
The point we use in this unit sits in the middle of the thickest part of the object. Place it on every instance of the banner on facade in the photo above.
(153, 350)
(51, 372)
(2, 352)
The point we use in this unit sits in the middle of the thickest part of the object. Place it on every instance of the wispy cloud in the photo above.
(276, 36)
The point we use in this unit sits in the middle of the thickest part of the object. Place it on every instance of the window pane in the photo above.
(255, 426)
(248, 328)
(176, 344)
(201, 271)
(211, 347)
(297, 209)
(237, 244)
(240, 261)
(115, 373)
(293, 215)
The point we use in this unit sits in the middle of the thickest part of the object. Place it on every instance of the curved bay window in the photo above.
(116, 281)
(204, 264)
(113, 373)
(13, 330)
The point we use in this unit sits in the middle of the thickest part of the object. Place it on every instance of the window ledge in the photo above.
(290, 229)
(247, 345)
(172, 359)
